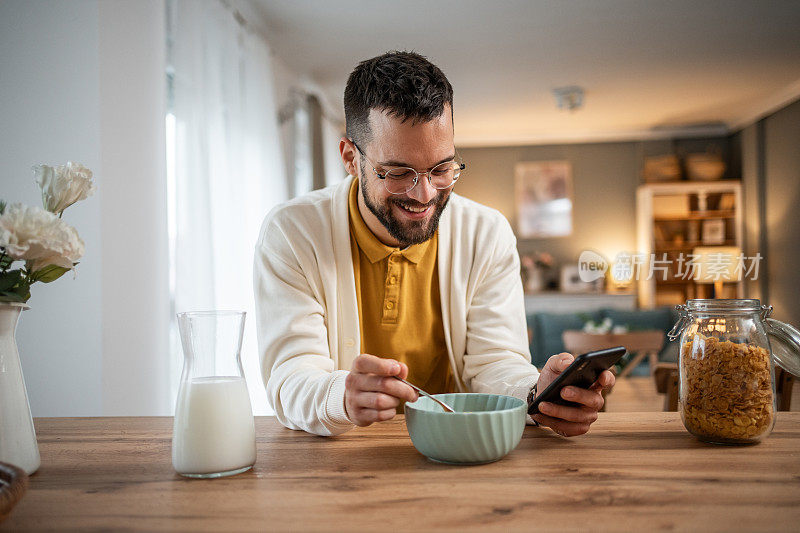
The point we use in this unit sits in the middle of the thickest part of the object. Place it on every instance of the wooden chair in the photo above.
(667, 382)
(641, 344)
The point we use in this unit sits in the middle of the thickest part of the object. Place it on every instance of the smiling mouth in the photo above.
(415, 211)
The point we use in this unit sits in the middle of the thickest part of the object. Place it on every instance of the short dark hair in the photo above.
(405, 84)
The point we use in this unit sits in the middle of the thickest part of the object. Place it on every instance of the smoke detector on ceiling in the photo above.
(569, 98)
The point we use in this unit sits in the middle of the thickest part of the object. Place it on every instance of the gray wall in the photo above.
(782, 158)
(771, 165)
(605, 177)
(748, 142)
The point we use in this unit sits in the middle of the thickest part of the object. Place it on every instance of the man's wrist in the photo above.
(531, 396)
(532, 393)
(335, 409)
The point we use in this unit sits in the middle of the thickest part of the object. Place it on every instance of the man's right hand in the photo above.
(371, 393)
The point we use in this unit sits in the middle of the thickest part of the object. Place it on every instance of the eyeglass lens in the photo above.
(400, 180)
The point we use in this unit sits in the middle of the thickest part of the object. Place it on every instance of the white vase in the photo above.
(17, 436)
(535, 281)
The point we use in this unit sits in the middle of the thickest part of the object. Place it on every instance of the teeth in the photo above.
(415, 209)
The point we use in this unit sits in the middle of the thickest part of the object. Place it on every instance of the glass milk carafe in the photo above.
(214, 433)
(728, 352)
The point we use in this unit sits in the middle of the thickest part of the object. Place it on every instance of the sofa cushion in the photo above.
(546, 330)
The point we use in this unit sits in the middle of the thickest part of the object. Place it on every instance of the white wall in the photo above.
(49, 112)
(84, 80)
(135, 303)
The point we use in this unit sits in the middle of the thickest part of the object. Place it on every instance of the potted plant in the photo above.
(36, 246)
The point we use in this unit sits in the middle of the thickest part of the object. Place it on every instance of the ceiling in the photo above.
(650, 69)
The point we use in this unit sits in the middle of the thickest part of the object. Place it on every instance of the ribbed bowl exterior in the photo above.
(491, 427)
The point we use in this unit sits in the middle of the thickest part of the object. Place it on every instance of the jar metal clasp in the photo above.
(679, 326)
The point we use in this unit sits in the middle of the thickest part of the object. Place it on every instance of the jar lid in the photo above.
(723, 305)
(785, 343)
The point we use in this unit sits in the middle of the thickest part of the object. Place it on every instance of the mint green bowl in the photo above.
(490, 429)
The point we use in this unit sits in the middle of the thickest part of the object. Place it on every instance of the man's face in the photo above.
(412, 217)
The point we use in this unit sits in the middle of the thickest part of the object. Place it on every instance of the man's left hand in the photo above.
(571, 421)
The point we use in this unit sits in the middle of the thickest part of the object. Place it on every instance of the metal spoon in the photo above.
(446, 407)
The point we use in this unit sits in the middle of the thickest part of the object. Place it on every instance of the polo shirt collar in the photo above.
(374, 249)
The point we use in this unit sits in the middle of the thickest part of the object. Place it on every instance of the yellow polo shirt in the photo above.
(399, 310)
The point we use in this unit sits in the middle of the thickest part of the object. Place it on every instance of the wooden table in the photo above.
(641, 344)
(633, 471)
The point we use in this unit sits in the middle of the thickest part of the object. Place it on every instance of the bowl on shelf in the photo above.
(484, 428)
(704, 167)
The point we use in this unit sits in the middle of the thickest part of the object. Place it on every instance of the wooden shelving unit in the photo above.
(678, 229)
(698, 216)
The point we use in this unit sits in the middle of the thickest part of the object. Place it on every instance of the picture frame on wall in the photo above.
(714, 231)
(543, 199)
(570, 281)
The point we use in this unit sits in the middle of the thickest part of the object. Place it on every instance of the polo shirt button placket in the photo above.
(392, 289)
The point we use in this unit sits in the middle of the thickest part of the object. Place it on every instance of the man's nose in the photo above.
(423, 192)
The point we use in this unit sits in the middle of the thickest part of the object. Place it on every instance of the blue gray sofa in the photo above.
(546, 328)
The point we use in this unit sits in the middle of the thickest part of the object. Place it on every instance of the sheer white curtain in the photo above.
(298, 140)
(226, 166)
(334, 168)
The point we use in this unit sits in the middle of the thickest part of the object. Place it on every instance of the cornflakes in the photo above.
(726, 390)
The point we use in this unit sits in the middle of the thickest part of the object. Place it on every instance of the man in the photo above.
(390, 273)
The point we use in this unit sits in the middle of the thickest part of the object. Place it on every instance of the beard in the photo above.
(410, 231)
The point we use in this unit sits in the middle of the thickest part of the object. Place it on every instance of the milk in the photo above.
(214, 430)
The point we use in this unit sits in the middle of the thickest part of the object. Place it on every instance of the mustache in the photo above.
(415, 205)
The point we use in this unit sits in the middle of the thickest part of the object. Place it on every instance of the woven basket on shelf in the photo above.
(661, 168)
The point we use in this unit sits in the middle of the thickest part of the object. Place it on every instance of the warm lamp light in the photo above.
(717, 264)
(622, 271)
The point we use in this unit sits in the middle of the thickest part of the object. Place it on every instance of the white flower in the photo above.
(63, 185)
(38, 237)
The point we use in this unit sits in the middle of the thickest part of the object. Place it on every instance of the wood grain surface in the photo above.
(633, 472)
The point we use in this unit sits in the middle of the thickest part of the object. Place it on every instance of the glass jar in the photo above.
(214, 431)
(728, 349)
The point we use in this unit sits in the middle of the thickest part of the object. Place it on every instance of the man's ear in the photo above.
(348, 152)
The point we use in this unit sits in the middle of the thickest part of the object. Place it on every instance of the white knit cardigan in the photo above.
(307, 313)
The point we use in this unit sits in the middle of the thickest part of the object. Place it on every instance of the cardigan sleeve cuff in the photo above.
(334, 404)
(521, 391)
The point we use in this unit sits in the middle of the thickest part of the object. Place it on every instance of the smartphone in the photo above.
(582, 373)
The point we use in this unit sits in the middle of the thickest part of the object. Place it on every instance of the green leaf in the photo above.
(8, 296)
(5, 261)
(21, 293)
(9, 279)
(49, 273)
(3, 205)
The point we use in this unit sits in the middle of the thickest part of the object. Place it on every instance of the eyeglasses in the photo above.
(400, 180)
